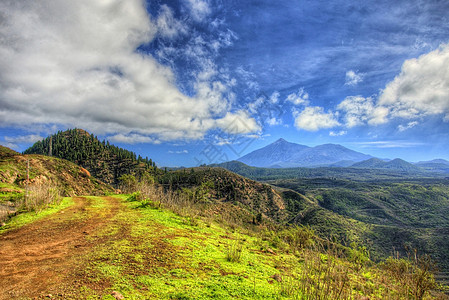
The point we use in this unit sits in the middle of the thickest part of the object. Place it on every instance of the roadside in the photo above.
(40, 254)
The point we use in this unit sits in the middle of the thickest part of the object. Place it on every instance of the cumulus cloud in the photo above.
(422, 87)
(353, 78)
(238, 123)
(420, 90)
(75, 63)
(313, 118)
(358, 110)
(300, 98)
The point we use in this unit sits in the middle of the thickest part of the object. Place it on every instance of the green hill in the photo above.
(103, 160)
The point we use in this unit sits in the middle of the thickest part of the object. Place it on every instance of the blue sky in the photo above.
(195, 81)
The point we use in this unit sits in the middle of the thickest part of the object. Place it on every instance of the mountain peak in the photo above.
(282, 154)
(281, 140)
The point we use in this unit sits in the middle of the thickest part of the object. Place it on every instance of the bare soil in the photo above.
(43, 254)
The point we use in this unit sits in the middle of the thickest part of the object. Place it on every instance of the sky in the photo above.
(193, 82)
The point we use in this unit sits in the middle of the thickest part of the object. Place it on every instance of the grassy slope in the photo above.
(68, 177)
(155, 254)
(384, 216)
(152, 253)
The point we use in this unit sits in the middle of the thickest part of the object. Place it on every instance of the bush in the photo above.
(37, 197)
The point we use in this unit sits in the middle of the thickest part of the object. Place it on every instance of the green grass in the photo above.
(152, 253)
(29, 217)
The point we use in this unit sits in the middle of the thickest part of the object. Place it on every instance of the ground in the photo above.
(40, 255)
(89, 247)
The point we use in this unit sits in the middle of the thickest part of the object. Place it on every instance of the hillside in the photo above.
(121, 248)
(241, 198)
(103, 160)
(283, 154)
(45, 173)
(70, 178)
(350, 173)
(383, 208)
(395, 164)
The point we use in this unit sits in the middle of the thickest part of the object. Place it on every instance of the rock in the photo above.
(2, 224)
(117, 295)
(269, 250)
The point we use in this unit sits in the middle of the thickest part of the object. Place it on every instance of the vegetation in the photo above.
(103, 160)
(208, 233)
(357, 174)
(33, 182)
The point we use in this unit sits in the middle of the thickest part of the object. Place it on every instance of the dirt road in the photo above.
(43, 254)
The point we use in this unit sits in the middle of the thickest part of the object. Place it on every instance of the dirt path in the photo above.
(34, 257)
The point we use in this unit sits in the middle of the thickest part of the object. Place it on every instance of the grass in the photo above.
(152, 253)
(32, 216)
(148, 252)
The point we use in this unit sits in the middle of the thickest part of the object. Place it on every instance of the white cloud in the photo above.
(274, 98)
(409, 125)
(238, 123)
(178, 152)
(132, 138)
(338, 133)
(358, 110)
(74, 63)
(274, 121)
(167, 25)
(422, 87)
(13, 142)
(31, 138)
(313, 118)
(388, 144)
(353, 78)
(300, 98)
(199, 9)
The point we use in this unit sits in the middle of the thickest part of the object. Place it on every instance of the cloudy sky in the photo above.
(199, 81)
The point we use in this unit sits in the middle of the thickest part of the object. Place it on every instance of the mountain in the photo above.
(274, 154)
(372, 163)
(395, 164)
(283, 154)
(103, 160)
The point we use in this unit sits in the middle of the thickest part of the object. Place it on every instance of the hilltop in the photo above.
(70, 178)
(103, 160)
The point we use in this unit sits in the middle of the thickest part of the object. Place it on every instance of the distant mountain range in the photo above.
(283, 154)
(395, 164)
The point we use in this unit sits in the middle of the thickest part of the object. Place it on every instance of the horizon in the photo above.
(276, 141)
(188, 82)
